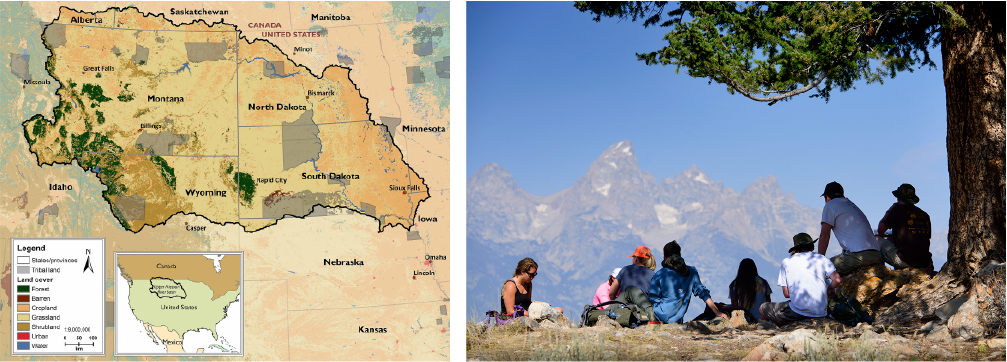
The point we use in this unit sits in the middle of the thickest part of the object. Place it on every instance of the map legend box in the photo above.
(60, 297)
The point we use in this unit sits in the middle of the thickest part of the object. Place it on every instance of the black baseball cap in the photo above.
(833, 190)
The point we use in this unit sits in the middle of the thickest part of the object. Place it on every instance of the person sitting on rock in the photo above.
(517, 290)
(601, 295)
(670, 287)
(807, 278)
(749, 290)
(909, 244)
(854, 232)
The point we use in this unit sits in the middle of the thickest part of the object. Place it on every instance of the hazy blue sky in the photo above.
(549, 90)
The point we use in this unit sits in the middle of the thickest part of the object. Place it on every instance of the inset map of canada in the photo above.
(177, 304)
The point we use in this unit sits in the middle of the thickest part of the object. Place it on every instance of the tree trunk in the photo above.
(973, 57)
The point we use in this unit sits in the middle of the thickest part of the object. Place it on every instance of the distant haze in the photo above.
(578, 235)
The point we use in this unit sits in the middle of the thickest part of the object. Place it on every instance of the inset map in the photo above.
(178, 304)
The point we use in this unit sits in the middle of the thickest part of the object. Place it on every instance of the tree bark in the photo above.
(973, 57)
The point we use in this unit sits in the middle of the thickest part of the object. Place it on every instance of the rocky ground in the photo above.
(967, 328)
(555, 338)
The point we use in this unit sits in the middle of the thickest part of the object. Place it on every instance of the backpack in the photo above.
(626, 314)
(848, 311)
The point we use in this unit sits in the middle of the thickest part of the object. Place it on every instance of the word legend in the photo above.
(60, 297)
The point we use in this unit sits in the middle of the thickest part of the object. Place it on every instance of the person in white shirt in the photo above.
(807, 278)
(854, 232)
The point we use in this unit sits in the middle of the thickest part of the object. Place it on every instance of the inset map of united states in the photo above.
(195, 119)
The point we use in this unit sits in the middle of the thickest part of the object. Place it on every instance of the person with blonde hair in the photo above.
(651, 263)
(637, 274)
(633, 281)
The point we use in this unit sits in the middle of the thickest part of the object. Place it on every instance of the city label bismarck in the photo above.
(114, 125)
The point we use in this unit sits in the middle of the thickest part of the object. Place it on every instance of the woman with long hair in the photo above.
(749, 290)
(517, 290)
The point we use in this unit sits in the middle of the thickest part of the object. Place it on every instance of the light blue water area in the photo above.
(271, 67)
(184, 67)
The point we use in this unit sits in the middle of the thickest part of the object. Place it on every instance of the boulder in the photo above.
(982, 314)
(540, 311)
(524, 323)
(876, 286)
(895, 345)
(548, 324)
(604, 322)
(765, 324)
(788, 346)
(939, 334)
(476, 329)
(698, 327)
(737, 319)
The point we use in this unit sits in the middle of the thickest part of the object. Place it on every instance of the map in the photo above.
(308, 139)
(183, 303)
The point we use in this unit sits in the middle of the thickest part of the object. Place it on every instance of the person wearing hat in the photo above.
(853, 231)
(671, 286)
(637, 274)
(803, 278)
(633, 281)
(601, 295)
(909, 244)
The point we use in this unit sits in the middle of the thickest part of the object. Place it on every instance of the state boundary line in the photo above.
(370, 306)
(305, 125)
(167, 30)
(148, 154)
(237, 167)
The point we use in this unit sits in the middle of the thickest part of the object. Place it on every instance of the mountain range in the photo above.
(578, 235)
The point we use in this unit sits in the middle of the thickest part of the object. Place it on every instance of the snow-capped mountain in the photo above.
(580, 234)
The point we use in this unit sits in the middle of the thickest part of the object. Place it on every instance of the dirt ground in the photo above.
(687, 342)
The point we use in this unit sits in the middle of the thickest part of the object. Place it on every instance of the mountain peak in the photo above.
(622, 149)
(491, 170)
(493, 176)
(764, 187)
(695, 174)
(618, 159)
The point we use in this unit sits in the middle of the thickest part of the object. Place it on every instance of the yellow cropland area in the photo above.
(195, 119)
